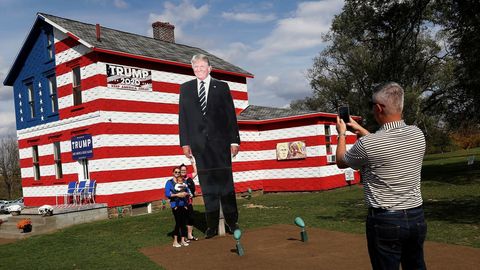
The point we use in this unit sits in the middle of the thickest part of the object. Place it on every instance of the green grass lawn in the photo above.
(450, 188)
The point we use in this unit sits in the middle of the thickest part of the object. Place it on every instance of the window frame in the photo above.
(53, 92)
(50, 44)
(31, 99)
(57, 158)
(36, 163)
(77, 85)
(328, 139)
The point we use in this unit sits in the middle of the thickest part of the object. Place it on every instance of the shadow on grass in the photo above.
(454, 173)
(458, 211)
(465, 210)
(352, 210)
(199, 223)
(458, 154)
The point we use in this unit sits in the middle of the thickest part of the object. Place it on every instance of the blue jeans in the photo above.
(396, 237)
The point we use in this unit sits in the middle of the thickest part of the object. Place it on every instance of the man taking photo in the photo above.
(390, 162)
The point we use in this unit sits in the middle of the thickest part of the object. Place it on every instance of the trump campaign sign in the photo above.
(129, 78)
(82, 147)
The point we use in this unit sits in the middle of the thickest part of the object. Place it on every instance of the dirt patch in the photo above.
(6, 241)
(259, 206)
(279, 247)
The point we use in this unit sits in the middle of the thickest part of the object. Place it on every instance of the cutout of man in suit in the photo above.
(208, 131)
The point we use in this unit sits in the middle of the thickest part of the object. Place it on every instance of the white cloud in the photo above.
(8, 122)
(279, 81)
(270, 80)
(7, 113)
(234, 53)
(280, 60)
(301, 31)
(291, 85)
(248, 17)
(180, 15)
(120, 4)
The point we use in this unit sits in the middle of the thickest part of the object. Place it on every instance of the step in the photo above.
(44, 226)
(65, 217)
(36, 219)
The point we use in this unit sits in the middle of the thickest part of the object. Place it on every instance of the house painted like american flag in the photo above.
(97, 103)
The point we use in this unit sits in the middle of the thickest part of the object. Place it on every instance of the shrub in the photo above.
(24, 222)
(466, 138)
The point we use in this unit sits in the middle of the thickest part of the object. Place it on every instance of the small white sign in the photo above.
(349, 175)
(471, 160)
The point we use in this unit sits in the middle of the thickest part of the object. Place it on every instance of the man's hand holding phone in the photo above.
(344, 113)
(350, 124)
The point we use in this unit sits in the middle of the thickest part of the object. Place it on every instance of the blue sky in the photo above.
(274, 40)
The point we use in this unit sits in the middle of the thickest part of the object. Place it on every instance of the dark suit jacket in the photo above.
(218, 128)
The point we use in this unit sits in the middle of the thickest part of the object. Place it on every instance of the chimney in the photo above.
(163, 31)
(97, 28)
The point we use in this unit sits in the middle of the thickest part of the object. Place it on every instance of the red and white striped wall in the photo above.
(135, 138)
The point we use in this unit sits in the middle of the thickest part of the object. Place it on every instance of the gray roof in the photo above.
(253, 112)
(130, 43)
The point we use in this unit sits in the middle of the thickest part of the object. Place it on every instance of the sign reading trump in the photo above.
(82, 147)
(129, 78)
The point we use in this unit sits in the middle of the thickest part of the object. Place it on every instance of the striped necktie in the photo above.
(202, 97)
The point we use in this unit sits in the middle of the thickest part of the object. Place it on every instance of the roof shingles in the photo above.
(253, 112)
(119, 41)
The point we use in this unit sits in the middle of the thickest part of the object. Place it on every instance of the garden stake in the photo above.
(237, 234)
(300, 223)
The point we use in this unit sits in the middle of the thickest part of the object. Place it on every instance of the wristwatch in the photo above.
(341, 134)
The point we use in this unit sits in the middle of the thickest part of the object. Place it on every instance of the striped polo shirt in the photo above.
(390, 161)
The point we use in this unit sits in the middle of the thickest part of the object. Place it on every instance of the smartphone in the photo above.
(344, 113)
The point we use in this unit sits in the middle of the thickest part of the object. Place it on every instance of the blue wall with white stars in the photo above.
(37, 67)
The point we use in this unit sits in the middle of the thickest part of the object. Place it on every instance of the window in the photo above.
(36, 163)
(50, 45)
(328, 141)
(77, 90)
(31, 99)
(57, 156)
(85, 172)
(52, 85)
(328, 145)
(329, 148)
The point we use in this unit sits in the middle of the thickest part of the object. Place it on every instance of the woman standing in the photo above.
(188, 178)
(178, 193)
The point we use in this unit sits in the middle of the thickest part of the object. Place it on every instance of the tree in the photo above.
(461, 22)
(9, 164)
(373, 42)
